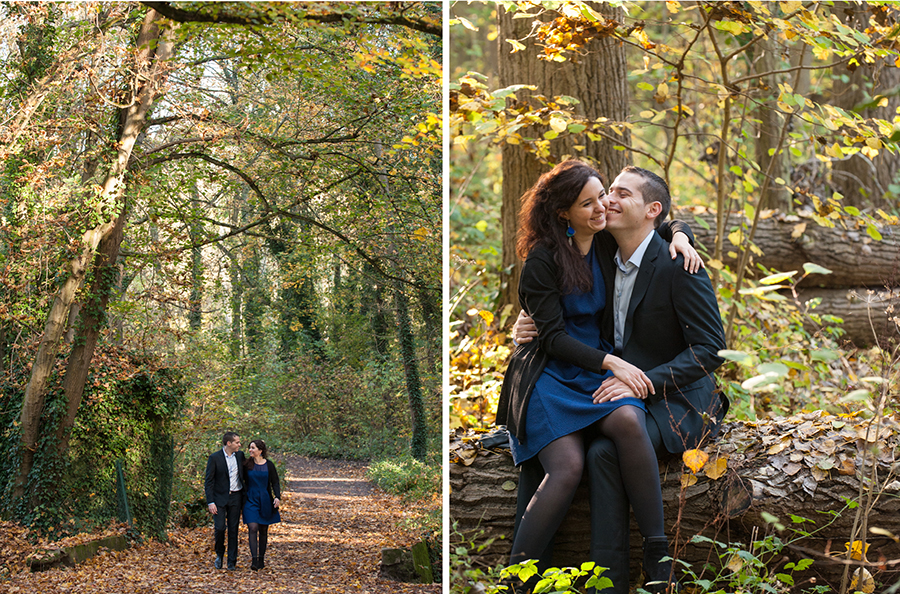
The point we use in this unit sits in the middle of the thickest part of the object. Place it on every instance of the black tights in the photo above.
(563, 462)
(260, 532)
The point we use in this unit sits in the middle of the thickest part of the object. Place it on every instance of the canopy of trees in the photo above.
(243, 197)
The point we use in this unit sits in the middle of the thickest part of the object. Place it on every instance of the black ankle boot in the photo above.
(657, 572)
(262, 560)
(254, 565)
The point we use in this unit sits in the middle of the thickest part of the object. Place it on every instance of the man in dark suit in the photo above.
(224, 495)
(665, 321)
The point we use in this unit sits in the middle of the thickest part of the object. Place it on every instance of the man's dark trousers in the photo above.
(231, 516)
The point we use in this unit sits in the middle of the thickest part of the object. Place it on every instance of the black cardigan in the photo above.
(274, 486)
(541, 297)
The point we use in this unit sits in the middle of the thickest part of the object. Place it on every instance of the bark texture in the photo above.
(803, 466)
(855, 259)
(598, 80)
(863, 180)
(863, 288)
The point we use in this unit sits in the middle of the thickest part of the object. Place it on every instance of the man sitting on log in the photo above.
(664, 321)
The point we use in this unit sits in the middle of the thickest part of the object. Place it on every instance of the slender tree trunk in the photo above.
(195, 313)
(378, 321)
(599, 81)
(151, 51)
(418, 419)
(431, 336)
(769, 126)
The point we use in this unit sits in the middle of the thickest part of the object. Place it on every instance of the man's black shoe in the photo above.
(218, 563)
(231, 567)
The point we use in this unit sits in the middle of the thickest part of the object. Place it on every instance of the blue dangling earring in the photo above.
(570, 232)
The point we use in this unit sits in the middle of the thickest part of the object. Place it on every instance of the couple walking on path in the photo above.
(234, 485)
(614, 362)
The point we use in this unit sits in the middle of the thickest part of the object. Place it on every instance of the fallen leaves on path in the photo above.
(334, 525)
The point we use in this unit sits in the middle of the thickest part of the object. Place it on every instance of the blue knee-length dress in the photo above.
(562, 400)
(258, 507)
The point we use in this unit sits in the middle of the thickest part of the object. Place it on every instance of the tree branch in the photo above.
(423, 25)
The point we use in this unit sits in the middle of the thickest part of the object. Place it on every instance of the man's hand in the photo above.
(524, 330)
(213, 509)
(682, 245)
(611, 389)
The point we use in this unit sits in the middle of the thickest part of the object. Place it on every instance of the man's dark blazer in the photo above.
(217, 484)
(673, 332)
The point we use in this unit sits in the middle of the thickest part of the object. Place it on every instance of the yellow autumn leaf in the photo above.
(695, 459)
(717, 468)
(687, 480)
(856, 549)
(487, 316)
(557, 124)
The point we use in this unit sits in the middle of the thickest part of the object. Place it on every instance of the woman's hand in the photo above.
(524, 330)
(682, 245)
(276, 503)
(630, 376)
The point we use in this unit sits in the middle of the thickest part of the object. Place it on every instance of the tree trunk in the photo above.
(151, 51)
(195, 311)
(864, 181)
(769, 127)
(854, 258)
(805, 466)
(418, 443)
(105, 275)
(599, 81)
(432, 332)
(870, 317)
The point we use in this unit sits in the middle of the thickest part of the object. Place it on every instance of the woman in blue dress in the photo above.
(263, 498)
(548, 405)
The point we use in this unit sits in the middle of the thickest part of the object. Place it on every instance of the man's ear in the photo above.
(654, 208)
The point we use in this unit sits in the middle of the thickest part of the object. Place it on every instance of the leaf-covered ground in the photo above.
(334, 525)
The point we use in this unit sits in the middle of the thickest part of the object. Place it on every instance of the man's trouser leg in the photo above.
(610, 510)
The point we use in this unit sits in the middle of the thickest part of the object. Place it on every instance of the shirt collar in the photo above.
(227, 455)
(636, 258)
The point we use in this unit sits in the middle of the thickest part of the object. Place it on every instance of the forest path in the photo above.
(333, 526)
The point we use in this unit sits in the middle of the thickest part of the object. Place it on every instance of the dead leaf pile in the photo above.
(800, 451)
(329, 540)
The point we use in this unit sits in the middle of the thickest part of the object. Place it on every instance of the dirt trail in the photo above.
(334, 524)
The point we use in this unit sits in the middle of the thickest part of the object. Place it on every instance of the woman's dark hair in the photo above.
(263, 451)
(540, 223)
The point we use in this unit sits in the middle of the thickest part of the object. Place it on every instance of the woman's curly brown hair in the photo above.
(540, 222)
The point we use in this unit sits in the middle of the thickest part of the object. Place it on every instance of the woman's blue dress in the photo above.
(258, 506)
(562, 400)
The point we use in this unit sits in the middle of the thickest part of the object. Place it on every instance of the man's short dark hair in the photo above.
(654, 189)
(229, 437)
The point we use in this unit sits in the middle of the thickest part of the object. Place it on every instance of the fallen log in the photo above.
(789, 241)
(812, 466)
(869, 316)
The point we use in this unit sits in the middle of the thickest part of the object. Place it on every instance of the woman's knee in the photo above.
(569, 473)
(629, 418)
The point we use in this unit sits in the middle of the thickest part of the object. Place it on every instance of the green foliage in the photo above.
(465, 576)
(407, 477)
(126, 414)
